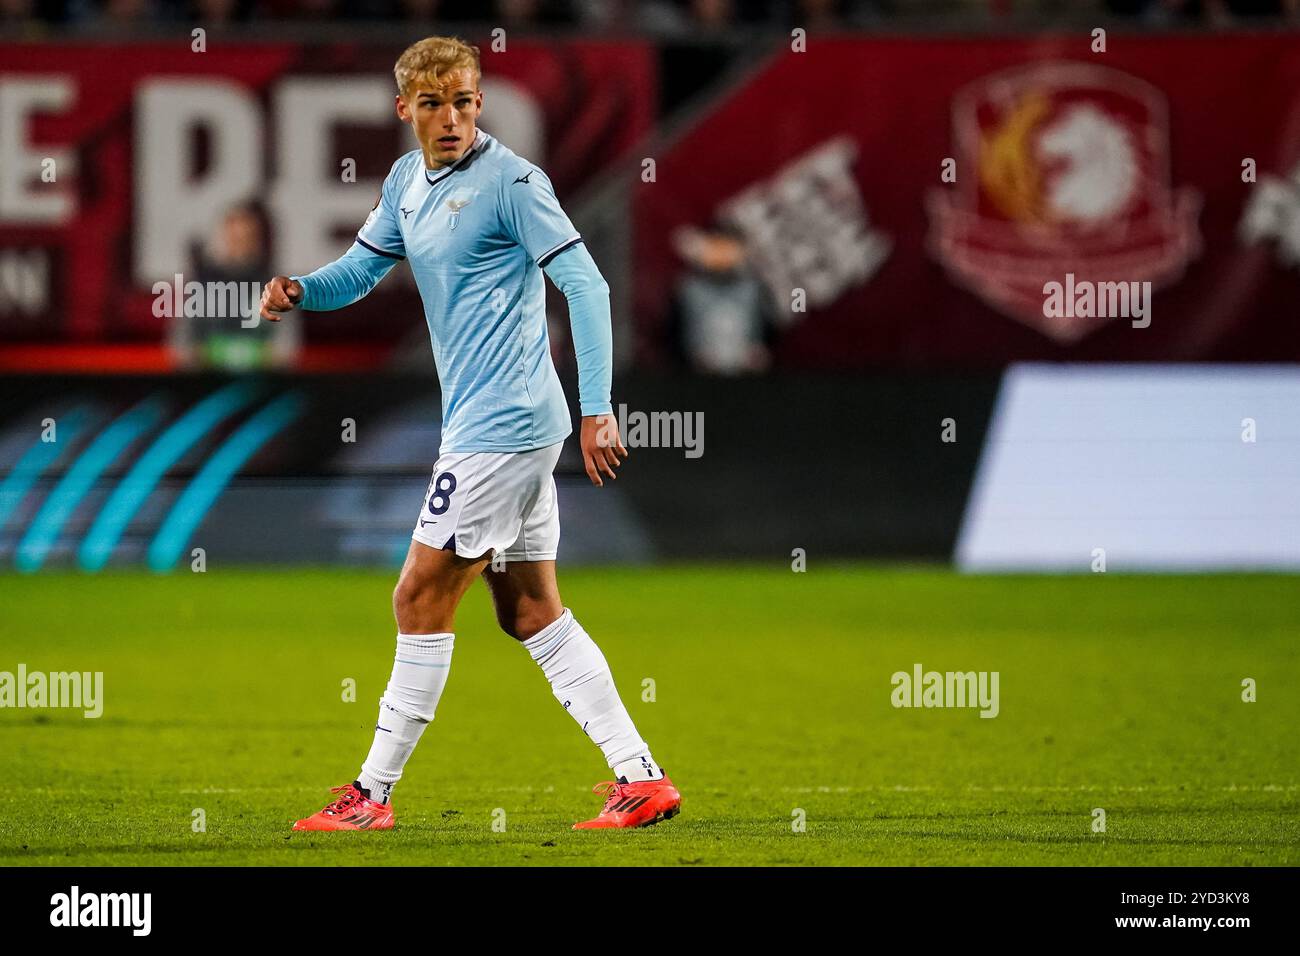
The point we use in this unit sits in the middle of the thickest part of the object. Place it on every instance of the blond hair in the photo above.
(433, 56)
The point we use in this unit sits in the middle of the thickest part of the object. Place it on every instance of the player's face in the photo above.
(443, 115)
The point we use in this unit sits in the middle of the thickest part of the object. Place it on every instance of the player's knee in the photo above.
(523, 622)
(508, 621)
(403, 598)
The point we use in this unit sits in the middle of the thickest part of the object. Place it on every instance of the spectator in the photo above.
(416, 11)
(616, 16)
(719, 305)
(1229, 12)
(1157, 12)
(121, 16)
(127, 12)
(17, 11)
(28, 19)
(215, 13)
(712, 16)
(525, 14)
(236, 257)
(818, 16)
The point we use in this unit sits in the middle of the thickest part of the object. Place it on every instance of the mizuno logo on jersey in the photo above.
(406, 212)
(524, 179)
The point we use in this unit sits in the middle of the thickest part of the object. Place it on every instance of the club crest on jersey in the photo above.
(456, 205)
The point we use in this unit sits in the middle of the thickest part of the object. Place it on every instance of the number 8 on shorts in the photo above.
(440, 493)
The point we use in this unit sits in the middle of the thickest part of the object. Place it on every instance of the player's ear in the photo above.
(403, 113)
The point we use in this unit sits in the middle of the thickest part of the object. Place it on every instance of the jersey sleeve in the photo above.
(575, 274)
(380, 233)
(345, 280)
(532, 215)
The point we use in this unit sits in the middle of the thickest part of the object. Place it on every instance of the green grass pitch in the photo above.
(224, 692)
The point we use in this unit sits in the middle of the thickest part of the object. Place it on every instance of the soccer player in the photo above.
(479, 226)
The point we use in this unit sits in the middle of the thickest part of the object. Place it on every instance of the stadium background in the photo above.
(915, 406)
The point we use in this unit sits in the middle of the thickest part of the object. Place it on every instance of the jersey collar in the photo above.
(480, 141)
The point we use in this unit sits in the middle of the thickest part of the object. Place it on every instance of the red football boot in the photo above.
(352, 811)
(638, 804)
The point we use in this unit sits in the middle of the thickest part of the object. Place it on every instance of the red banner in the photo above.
(924, 202)
(117, 162)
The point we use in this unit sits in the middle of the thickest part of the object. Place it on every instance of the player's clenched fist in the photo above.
(280, 295)
(601, 446)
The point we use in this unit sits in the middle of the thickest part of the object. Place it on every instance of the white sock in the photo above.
(419, 675)
(581, 681)
(638, 768)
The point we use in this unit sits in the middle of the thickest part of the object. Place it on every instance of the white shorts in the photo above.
(487, 501)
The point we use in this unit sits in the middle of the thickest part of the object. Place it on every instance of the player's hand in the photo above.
(280, 295)
(601, 447)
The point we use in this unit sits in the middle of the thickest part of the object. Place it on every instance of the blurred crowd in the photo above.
(666, 16)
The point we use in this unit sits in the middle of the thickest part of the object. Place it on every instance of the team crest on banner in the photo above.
(1061, 168)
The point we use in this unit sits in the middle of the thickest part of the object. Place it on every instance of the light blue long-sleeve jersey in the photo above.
(479, 234)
